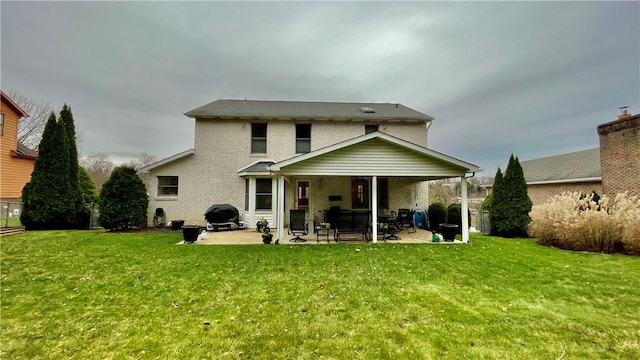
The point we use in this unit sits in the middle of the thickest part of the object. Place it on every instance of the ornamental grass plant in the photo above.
(575, 221)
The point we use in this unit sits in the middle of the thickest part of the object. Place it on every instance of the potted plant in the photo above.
(267, 236)
(262, 224)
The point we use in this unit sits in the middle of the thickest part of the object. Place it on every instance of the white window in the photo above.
(258, 138)
(263, 194)
(167, 186)
(303, 138)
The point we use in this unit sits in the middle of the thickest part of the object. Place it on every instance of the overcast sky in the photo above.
(534, 79)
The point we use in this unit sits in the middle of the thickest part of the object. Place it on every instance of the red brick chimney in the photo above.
(620, 154)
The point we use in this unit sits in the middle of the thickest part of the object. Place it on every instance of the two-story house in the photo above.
(266, 157)
(16, 160)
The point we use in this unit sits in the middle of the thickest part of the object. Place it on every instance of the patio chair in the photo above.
(405, 220)
(389, 225)
(297, 225)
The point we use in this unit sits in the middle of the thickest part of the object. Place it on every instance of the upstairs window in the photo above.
(167, 186)
(258, 138)
(1, 124)
(303, 138)
(370, 128)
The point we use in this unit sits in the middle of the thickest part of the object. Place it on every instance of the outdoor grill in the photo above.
(222, 216)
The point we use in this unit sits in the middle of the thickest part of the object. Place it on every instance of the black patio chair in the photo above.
(405, 220)
(297, 225)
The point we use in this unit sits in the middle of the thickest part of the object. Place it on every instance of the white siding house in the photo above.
(266, 157)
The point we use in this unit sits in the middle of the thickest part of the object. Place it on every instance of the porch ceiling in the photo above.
(375, 154)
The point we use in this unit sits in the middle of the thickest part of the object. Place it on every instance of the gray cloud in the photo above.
(531, 78)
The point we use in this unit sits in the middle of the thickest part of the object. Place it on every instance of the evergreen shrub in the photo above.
(454, 215)
(437, 213)
(123, 200)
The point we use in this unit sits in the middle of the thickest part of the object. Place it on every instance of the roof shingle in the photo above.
(577, 165)
(307, 110)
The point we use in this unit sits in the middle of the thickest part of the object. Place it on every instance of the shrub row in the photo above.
(575, 221)
(438, 213)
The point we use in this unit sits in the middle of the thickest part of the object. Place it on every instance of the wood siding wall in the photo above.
(15, 172)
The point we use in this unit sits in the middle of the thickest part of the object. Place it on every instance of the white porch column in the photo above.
(374, 209)
(252, 202)
(280, 210)
(464, 213)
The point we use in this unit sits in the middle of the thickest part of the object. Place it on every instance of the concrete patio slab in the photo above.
(249, 236)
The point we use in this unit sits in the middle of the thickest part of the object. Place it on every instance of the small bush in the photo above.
(437, 213)
(123, 200)
(576, 222)
(454, 216)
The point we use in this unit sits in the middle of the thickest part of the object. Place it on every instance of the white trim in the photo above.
(146, 169)
(565, 181)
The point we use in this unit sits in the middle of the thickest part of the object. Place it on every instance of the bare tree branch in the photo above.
(98, 166)
(143, 160)
(30, 128)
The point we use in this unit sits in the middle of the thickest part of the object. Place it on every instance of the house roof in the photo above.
(579, 166)
(13, 105)
(25, 152)
(375, 153)
(305, 110)
(165, 161)
(260, 167)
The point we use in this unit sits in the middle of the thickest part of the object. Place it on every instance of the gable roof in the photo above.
(375, 153)
(305, 110)
(165, 161)
(579, 166)
(24, 152)
(260, 167)
(13, 105)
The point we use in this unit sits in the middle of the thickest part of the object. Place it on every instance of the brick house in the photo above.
(16, 160)
(612, 168)
(549, 176)
(266, 157)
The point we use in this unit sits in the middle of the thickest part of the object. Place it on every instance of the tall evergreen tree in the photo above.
(79, 216)
(496, 197)
(52, 199)
(45, 206)
(511, 205)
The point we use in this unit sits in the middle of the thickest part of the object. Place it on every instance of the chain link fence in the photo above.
(10, 216)
(482, 222)
(11, 210)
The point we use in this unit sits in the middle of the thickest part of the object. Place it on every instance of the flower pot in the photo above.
(176, 224)
(190, 233)
(267, 238)
(449, 231)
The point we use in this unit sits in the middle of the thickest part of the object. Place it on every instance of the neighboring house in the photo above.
(267, 157)
(612, 168)
(549, 176)
(16, 160)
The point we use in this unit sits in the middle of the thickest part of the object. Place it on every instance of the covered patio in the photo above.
(370, 157)
(252, 237)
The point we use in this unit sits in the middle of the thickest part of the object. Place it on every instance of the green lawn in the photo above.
(97, 295)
